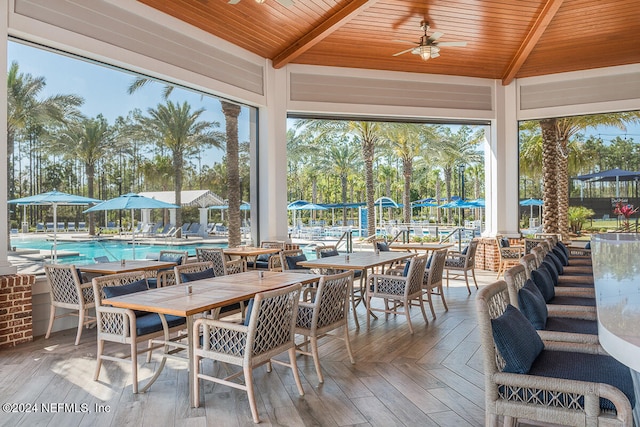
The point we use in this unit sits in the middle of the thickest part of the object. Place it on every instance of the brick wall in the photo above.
(487, 255)
(16, 310)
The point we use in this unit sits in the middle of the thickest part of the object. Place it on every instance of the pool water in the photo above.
(115, 250)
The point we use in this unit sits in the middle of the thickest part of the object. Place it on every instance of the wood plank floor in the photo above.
(431, 378)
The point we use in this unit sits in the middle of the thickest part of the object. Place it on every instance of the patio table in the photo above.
(206, 294)
(427, 247)
(116, 267)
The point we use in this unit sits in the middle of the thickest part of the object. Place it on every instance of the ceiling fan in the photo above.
(285, 3)
(428, 47)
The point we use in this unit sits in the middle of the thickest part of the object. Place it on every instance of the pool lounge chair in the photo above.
(194, 230)
(60, 226)
(71, 226)
(50, 227)
(40, 227)
(82, 226)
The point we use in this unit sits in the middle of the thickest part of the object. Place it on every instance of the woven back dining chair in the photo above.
(66, 291)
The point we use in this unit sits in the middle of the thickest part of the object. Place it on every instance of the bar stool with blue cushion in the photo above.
(571, 323)
(129, 327)
(558, 383)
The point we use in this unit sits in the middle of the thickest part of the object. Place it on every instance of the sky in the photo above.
(104, 89)
(105, 92)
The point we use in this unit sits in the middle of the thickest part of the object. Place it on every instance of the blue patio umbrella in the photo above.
(531, 203)
(131, 201)
(610, 175)
(54, 199)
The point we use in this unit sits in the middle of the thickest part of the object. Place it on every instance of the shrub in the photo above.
(578, 215)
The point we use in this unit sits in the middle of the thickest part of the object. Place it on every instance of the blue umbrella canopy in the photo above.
(459, 203)
(308, 207)
(293, 205)
(531, 202)
(54, 199)
(477, 203)
(131, 201)
(386, 202)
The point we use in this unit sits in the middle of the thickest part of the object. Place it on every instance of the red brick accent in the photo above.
(16, 316)
(487, 255)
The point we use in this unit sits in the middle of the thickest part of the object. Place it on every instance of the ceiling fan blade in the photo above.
(285, 3)
(452, 44)
(234, 1)
(434, 54)
(435, 36)
(405, 41)
(404, 51)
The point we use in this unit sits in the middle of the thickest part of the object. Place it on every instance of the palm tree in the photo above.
(231, 112)
(556, 134)
(90, 141)
(178, 129)
(343, 159)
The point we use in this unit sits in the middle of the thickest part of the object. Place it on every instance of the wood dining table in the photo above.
(416, 247)
(362, 261)
(127, 266)
(206, 294)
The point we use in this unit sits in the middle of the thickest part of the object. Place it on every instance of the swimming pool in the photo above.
(83, 252)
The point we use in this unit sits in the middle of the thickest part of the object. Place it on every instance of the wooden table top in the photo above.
(420, 246)
(129, 265)
(208, 294)
(245, 251)
(357, 260)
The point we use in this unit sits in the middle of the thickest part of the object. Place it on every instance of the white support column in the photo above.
(272, 158)
(501, 165)
(5, 266)
(204, 216)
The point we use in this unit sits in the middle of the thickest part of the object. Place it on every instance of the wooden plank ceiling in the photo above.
(506, 39)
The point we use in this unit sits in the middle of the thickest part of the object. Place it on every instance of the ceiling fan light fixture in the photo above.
(260, 1)
(423, 51)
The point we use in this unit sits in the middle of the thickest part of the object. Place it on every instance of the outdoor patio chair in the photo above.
(50, 227)
(165, 276)
(399, 291)
(40, 227)
(103, 258)
(82, 226)
(67, 291)
(71, 226)
(221, 265)
(267, 261)
(432, 283)
(289, 260)
(463, 262)
(194, 230)
(129, 327)
(60, 226)
(325, 310)
(509, 255)
(554, 382)
(268, 330)
(184, 228)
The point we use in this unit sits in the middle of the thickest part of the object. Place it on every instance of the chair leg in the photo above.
(134, 366)
(248, 380)
(52, 317)
(447, 278)
(424, 313)
(406, 313)
(81, 314)
(294, 368)
(429, 298)
(442, 294)
(368, 307)
(473, 274)
(316, 357)
(466, 280)
(98, 359)
(348, 343)
(500, 267)
(196, 382)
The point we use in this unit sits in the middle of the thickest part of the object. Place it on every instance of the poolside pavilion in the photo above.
(545, 58)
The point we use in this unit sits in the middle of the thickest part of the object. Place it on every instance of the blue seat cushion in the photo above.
(588, 245)
(533, 305)
(544, 282)
(561, 256)
(263, 257)
(382, 247)
(556, 261)
(247, 316)
(571, 300)
(150, 322)
(292, 262)
(517, 341)
(171, 258)
(465, 250)
(568, 324)
(131, 288)
(204, 274)
(504, 242)
(585, 367)
(551, 269)
(258, 264)
(563, 248)
(407, 265)
(325, 254)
